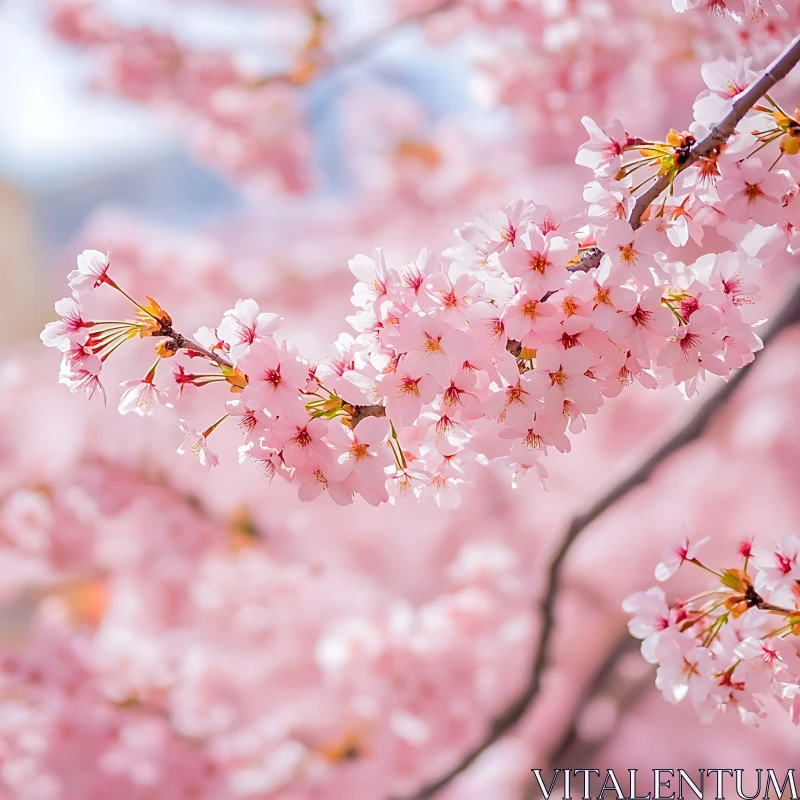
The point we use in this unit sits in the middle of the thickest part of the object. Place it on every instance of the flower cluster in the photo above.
(251, 121)
(737, 9)
(503, 345)
(733, 645)
(186, 658)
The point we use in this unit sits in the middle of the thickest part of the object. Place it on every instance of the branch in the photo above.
(369, 43)
(721, 132)
(718, 135)
(691, 430)
(183, 343)
(362, 412)
(360, 49)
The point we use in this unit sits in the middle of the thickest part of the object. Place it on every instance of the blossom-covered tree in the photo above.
(172, 640)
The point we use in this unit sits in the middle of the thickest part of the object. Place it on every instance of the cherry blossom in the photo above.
(92, 271)
(83, 376)
(71, 327)
(780, 564)
(730, 646)
(274, 376)
(628, 252)
(141, 397)
(676, 556)
(650, 610)
(242, 325)
(406, 393)
(693, 347)
(499, 349)
(603, 152)
(750, 192)
(196, 443)
(539, 260)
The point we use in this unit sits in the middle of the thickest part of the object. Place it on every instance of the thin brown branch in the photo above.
(362, 412)
(718, 135)
(688, 432)
(357, 51)
(184, 343)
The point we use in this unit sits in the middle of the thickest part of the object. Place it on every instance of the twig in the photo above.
(366, 45)
(360, 49)
(718, 135)
(362, 412)
(691, 430)
(187, 344)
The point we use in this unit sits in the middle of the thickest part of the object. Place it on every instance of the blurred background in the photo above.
(167, 633)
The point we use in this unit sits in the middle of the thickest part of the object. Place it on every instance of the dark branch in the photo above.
(187, 344)
(625, 692)
(362, 412)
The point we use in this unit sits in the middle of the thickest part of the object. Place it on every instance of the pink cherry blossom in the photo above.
(373, 279)
(629, 253)
(539, 260)
(640, 321)
(651, 617)
(276, 377)
(725, 80)
(406, 393)
(779, 564)
(676, 555)
(92, 271)
(320, 475)
(197, 444)
(301, 441)
(771, 654)
(750, 192)
(70, 328)
(529, 320)
(141, 397)
(243, 324)
(603, 152)
(694, 347)
(690, 676)
(501, 228)
(560, 375)
(83, 375)
(432, 346)
(367, 458)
